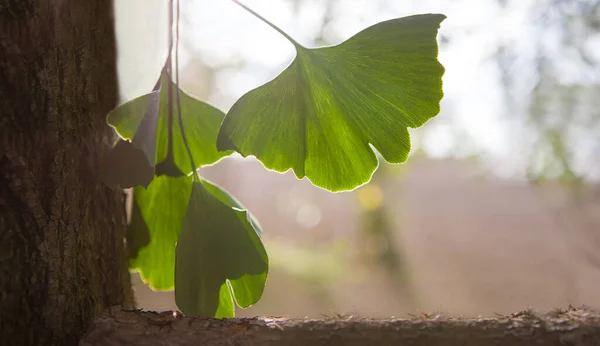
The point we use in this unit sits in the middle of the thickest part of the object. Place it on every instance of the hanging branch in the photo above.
(185, 142)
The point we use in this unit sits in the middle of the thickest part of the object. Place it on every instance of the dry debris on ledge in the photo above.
(572, 326)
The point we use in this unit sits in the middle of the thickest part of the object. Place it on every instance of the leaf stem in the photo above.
(177, 95)
(170, 89)
(288, 37)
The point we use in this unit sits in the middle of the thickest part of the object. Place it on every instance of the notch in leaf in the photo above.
(149, 127)
(323, 113)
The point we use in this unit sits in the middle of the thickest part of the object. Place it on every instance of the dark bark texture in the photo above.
(571, 326)
(62, 259)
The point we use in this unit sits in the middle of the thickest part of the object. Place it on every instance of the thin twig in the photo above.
(289, 38)
(185, 142)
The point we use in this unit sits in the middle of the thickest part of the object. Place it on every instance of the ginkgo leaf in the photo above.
(125, 166)
(156, 221)
(230, 201)
(323, 113)
(152, 128)
(219, 249)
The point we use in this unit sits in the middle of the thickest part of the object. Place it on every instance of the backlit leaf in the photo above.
(145, 121)
(218, 245)
(156, 221)
(321, 115)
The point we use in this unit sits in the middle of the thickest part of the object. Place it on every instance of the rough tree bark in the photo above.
(62, 259)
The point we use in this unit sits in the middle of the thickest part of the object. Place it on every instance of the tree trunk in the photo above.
(62, 257)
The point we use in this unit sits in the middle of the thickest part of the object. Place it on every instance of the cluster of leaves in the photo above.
(320, 117)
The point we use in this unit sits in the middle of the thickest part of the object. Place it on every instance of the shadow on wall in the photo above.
(466, 244)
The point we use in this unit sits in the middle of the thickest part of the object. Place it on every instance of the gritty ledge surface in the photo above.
(571, 326)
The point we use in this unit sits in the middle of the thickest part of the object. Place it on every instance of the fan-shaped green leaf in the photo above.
(322, 113)
(156, 221)
(151, 123)
(218, 246)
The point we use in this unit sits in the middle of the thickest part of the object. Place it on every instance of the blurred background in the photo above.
(498, 206)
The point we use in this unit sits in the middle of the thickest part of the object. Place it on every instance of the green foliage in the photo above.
(156, 221)
(126, 166)
(319, 117)
(218, 246)
(148, 123)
